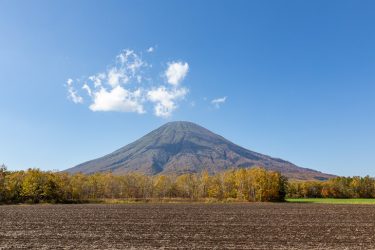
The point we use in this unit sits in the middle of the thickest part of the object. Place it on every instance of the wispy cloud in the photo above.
(219, 101)
(87, 88)
(126, 86)
(150, 50)
(72, 93)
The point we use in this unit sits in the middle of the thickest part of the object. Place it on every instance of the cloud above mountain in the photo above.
(165, 99)
(219, 101)
(128, 86)
(72, 93)
(176, 72)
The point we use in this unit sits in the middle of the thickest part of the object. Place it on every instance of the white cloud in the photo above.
(97, 79)
(128, 68)
(87, 88)
(72, 93)
(117, 99)
(150, 50)
(115, 76)
(125, 86)
(165, 99)
(176, 72)
(124, 55)
(218, 101)
(130, 63)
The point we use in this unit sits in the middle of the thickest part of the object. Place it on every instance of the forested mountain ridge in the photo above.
(185, 147)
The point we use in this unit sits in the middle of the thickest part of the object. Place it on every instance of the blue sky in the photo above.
(296, 79)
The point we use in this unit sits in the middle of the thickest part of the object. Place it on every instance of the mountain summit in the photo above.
(185, 147)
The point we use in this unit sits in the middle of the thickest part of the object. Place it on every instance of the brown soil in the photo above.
(199, 226)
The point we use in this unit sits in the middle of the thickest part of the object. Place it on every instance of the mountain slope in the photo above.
(185, 147)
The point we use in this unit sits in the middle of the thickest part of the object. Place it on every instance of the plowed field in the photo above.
(190, 226)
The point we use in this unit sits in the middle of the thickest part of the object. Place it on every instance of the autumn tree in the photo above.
(3, 170)
(33, 185)
(256, 184)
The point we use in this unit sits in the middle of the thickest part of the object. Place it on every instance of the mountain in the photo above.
(185, 147)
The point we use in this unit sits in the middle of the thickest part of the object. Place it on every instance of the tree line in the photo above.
(253, 184)
(34, 186)
(339, 187)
